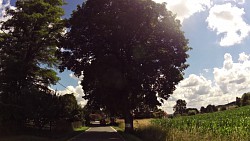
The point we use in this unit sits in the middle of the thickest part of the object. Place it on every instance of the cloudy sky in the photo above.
(218, 31)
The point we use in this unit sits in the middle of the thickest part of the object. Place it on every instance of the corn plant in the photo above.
(223, 124)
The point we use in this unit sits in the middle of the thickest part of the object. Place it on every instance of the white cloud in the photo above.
(227, 20)
(243, 57)
(79, 79)
(240, 1)
(4, 4)
(206, 70)
(236, 1)
(235, 78)
(77, 91)
(228, 63)
(230, 81)
(186, 8)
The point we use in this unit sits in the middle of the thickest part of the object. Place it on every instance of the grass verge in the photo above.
(126, 136)
(82, 129)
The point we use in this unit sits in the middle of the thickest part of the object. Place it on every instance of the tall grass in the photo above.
(152, 133)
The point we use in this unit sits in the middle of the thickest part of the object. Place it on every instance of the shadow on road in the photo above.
(99, 134)
(97, 125)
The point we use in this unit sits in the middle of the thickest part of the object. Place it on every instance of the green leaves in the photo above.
(28, 55)
(128, 51)
(35, 26)
(180, 107)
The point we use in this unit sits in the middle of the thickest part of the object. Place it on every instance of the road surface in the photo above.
(106, 133)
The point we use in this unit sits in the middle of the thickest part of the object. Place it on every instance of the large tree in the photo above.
(245, 99)
(129, 51)
(70, 110)
(28, 42)
(180, 107)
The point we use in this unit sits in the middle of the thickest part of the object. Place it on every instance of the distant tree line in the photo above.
(244, 100)
(209, 109)
(180, 108)
(144, 111)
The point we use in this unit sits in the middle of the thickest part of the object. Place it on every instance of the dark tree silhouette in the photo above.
(211, 108)
(245, 99)
(70, 110)
(41, 108)
(238, 101)
(180, 107)
(203, 110)
(129, 51)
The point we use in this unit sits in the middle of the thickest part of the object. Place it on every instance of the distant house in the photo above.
(227, 106)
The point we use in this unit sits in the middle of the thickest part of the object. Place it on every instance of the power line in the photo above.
(66, 88)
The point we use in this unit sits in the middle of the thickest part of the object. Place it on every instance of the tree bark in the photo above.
(129, 126)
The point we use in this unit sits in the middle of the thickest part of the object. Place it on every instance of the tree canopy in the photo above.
(245, 99)
(129, 51)
(180, 107)
(28, 42)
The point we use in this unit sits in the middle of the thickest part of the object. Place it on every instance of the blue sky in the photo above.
(218, 31)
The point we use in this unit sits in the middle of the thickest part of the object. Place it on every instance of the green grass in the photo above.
(82, 129)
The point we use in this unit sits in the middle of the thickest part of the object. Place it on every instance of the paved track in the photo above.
(99, 134)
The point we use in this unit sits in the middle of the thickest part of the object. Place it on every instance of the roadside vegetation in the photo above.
(126, 136)
(218, 123)
(233, 124)
(38, 135)
(138, 123)
(29, 108)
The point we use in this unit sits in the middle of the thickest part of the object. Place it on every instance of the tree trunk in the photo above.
(112, 119)
(50, 124)
(129, 126)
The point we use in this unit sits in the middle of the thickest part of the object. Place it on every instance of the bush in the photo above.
(177, 115)
(77, 124)
(190, 113)
(63, 126)
(223, 108)
(184, 114)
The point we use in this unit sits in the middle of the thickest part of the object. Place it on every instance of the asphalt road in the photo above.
(99, 134)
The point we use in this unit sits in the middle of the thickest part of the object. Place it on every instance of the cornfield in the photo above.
(221, 124)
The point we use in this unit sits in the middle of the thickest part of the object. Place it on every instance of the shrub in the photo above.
(223, 108)
(190, 113)
(63, 126)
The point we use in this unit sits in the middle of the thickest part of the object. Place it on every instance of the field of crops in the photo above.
(235, 122)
